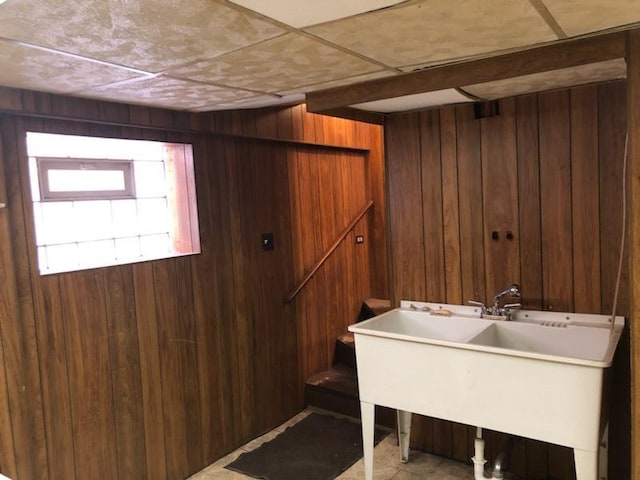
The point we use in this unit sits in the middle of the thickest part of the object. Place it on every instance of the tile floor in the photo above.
(387, 466)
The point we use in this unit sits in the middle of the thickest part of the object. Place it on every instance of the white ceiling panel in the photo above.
(566, 77)
(577, 17)
(286, 62)
(36, 69)
(311, 12)
(212, 54)
(151, 35)
(438, 30)
(416, 101)
(168, 93)
(340, 82)
(256, 102)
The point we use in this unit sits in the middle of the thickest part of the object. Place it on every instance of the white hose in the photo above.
(624, 231)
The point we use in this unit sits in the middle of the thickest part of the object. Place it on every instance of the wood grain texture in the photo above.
(432, 204)
(407, 241)
(585, 201)
(500, 199)
(94, 432)
(527, 140)
(633, 119)
(450, 205)
(544, 58)
(157, 369)
(472, 237)
(8, 308)
(535, 170)
(52, 356)
(18, 324)
(555, 194)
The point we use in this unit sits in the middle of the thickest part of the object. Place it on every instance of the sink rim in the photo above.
(524, 317)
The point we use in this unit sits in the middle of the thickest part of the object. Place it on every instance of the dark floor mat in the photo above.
(319, 447)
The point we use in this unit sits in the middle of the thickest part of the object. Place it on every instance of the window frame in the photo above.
(45, 164)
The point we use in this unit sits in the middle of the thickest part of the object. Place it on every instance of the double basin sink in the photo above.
(562, 337)
(540, 375)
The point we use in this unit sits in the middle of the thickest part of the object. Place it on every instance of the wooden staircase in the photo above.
(336, 389)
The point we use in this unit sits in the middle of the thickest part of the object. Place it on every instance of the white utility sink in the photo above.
(539, 376)
(572, 343)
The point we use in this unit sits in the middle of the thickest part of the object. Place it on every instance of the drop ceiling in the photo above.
(200, 55)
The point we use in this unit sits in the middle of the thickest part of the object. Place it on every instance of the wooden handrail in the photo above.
(327, 253)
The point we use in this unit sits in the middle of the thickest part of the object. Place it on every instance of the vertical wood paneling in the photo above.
(450, 205)
(633, 197)
(405, 207)
(156, 369)
(529, 201)
(470, 205)
(612, 125)
(52, 355)
(150, 375)
(555, 194)
(331, 188)
(221, 272)
(432, 205)
(500, 198)
(7, 310)
(125, 372)
(242, 331)
(611, 131)
(171, 344)
(550, 167)
(377, 186)
(585, 198)
(189, 366)
(18, 327)
(87, 337)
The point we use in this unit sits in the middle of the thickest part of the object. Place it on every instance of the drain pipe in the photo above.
(479, 461)
(478, 458)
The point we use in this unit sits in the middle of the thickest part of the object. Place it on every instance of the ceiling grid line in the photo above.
(199, 55)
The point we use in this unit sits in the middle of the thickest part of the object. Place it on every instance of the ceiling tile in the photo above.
(577, 17)
(37, 69)
(167, 92)
(416, 101)
(286, 62)
(255, 102)
(340, 82)
(150, 35)
(311, 12)
(566, 77)
(438, 30)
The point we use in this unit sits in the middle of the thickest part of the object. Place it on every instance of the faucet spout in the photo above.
(513, 291)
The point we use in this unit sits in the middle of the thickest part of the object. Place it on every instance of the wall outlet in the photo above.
(359, 238)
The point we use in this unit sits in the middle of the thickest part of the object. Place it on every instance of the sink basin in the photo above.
(569, 341)
(416, 326)
(540, 376)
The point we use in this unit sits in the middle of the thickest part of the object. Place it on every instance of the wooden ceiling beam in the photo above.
(552, 56)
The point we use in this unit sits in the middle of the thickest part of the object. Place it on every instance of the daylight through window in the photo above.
(101, 201)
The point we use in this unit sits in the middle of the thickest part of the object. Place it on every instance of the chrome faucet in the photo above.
(496, 310)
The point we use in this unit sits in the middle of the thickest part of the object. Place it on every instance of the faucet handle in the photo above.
(483, 307)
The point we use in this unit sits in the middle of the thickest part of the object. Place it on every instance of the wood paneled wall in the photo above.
(546, 176)
(154, 370)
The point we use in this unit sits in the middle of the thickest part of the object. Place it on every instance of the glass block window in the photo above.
(100, 201)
